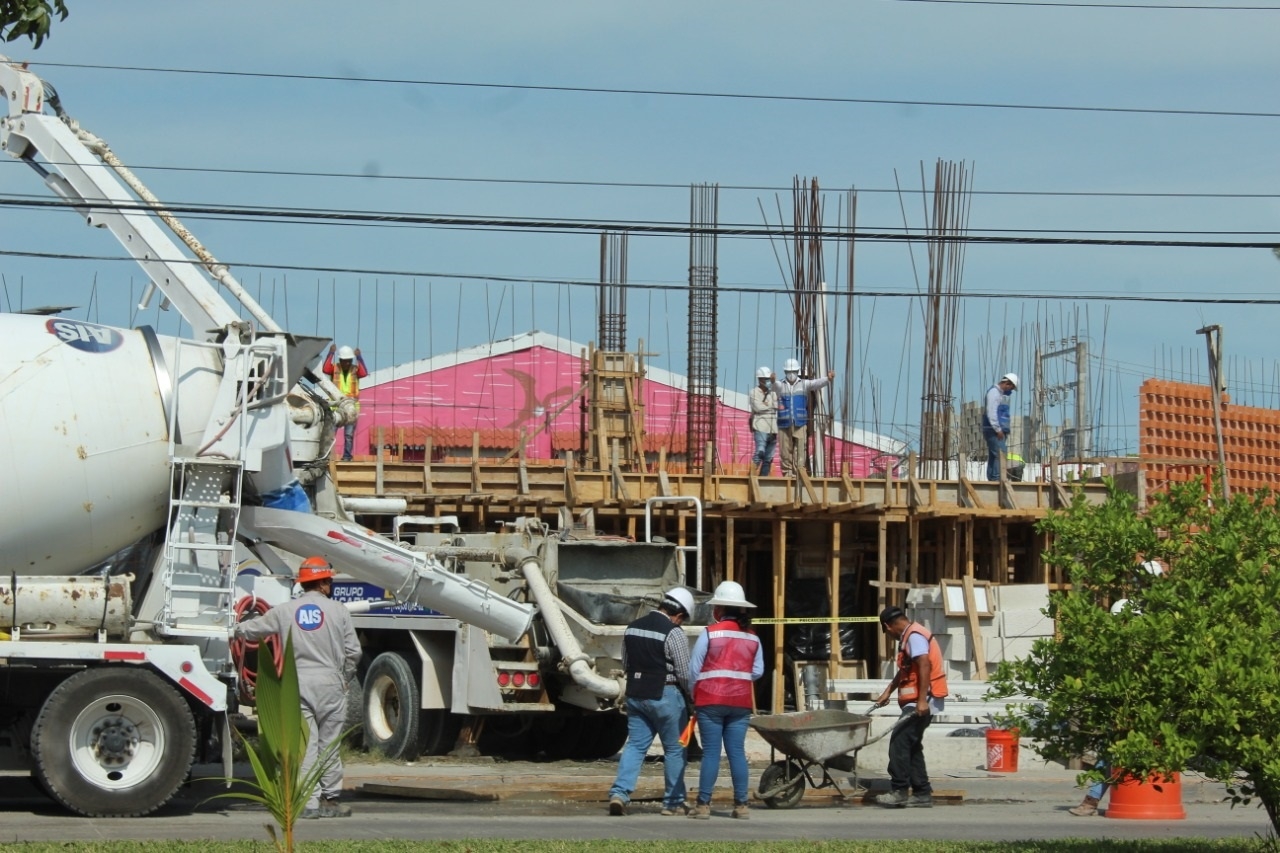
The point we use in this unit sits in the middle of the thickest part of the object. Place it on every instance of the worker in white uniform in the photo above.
(326, 652)
(793, 414)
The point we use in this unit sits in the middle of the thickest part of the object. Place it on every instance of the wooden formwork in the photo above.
(882, 535)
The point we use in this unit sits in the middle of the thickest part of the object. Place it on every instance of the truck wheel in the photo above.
(392, 701)
(610, 736)
(113, 742)
(439, 731)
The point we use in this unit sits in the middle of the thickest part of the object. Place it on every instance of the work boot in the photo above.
(892, 800)
(677, 809)
(330, 807)
(310, 814)
(920, 801)
(1087, 808)
(617, 806)
(742, 811)
(701, 811)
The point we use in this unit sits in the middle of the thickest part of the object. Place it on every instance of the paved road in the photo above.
(27, 815)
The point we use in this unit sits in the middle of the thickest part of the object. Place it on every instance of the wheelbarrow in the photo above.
(812, 742)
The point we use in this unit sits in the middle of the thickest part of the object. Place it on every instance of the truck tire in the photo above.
(439, 730)
(113, 742)
(392, 702)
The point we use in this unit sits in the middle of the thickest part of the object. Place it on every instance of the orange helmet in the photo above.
(314, 569)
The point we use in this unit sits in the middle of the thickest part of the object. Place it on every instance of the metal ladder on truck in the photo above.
(205, 498)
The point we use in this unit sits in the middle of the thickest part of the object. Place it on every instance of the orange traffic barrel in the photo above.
(1158, 798)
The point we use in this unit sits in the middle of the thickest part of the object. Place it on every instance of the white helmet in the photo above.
(791, 366)
(1153, 567)
(764, 373)
(1011, 378)
(681, 596)
(730, 594)
(345, 354)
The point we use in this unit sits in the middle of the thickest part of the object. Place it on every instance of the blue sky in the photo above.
(410, 292)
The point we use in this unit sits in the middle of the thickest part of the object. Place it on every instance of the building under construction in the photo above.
(590, 438)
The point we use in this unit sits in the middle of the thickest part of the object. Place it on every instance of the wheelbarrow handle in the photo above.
(897, 725)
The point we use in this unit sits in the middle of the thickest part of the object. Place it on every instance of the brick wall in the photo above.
(1175, 422)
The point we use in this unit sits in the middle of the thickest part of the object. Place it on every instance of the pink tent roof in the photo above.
(528, 383)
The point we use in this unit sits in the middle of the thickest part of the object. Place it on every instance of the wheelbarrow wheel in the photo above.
(786, 780)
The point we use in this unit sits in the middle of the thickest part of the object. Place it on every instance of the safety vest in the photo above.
(908, 690)
(645, 642)
(348, 381)
(793, 409)
(725, 678)
(1002, 413)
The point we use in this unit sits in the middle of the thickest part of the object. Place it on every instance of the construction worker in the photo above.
(326, 651)
(726, 659)
(655, 657)
(346, 375)
(793, 414)
(921, 682)
(764, 421)
(996, 421)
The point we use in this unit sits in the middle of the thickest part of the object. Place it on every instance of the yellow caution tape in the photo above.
(813, 620)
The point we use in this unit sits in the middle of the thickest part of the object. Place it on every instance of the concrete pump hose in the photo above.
(580, 667)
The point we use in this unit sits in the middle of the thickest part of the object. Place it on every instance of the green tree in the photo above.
(1186, 671)
(30, 18)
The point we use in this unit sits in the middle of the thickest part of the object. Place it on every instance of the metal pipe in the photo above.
(573, 658)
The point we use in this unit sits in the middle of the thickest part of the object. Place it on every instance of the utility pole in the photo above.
(1213, 340)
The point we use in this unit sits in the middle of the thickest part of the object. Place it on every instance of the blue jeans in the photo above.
(1098, 789)
(762, 461)
(348, 439)
(646, 719)
(717, 724)
(995, 447)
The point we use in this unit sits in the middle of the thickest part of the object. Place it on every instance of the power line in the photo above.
(779, 290)
(659, 185)
(672, 93)
(1031, 237)
(1188, 7)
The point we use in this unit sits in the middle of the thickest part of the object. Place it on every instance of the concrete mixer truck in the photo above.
(156, 487)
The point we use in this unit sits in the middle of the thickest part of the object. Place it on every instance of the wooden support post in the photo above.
(969, 564)
(708, 472)
(730, 551)
(379, 485)
(913, 537)
(779, 611)
(882, 557)
(835, 652)
(570, 483)
(427, 452)
(476, 487)
(975, 629)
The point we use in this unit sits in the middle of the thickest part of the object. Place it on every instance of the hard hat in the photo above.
(314, 569)
(764, 373)
(681, 596)
(891, 614)
(345, 354)
(791, 366)
(1153, 567)
(730, 594)
(1011, 378)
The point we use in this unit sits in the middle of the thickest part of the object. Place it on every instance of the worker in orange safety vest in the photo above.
(921, 682)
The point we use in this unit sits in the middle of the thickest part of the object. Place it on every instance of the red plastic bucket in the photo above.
(1156, 799)
(1002, 751)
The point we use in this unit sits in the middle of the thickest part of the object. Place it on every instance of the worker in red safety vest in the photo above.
(726, 660)
(921, 682)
